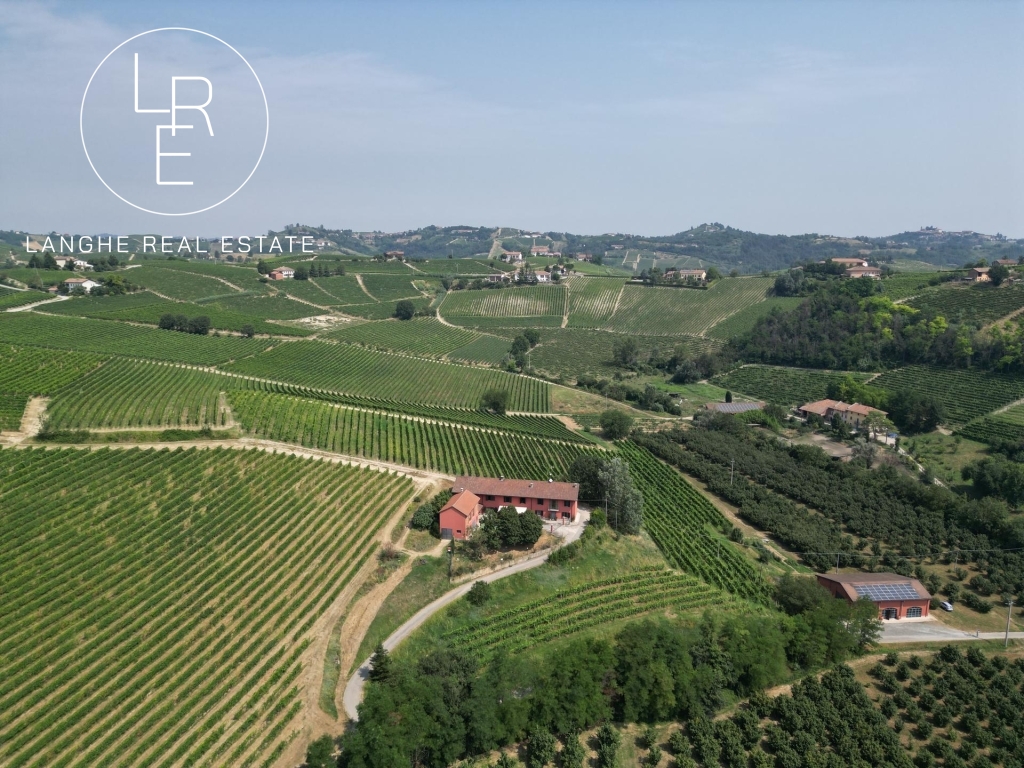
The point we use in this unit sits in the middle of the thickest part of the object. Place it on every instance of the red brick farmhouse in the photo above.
(475, 495)
(897, 597)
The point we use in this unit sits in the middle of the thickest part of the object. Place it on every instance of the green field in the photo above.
(785, 386)
(12, 407)
(125, 394)
(345, 368)
(403, 440)
(32, 371)
(179, 284)
(156, 603)
(389, 289)
(108, 337)
(460, 307)
(906, 284)
(1008, 425)
(743, 320)
(102, 306)
(592, 300)
(672, 311)
(483, 349)
(11, 299)
(979, 304)
(421, 336)
(326, 291)
(964, 394)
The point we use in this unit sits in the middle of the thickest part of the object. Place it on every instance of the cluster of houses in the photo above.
(853, 414)
(473, 496)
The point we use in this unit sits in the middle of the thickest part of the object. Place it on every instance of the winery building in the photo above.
(546, 498)
(897, 597)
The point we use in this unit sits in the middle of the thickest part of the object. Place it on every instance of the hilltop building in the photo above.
(853, 414)
(549, 500)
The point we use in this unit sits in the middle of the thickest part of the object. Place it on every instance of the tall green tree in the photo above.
(625, 507)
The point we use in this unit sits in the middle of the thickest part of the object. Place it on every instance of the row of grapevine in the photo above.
(345, 368)
(687, 527)
(32, 371)
(786, 386)
(976, 304)
(122, 572)
(132, 393)
(116, 338)
(425, 337)
(964, 394)
(592, 300)
(520, 301)
(1005, 426)
(584, 606)
(402, 440)
(12, 407)
(11, 299)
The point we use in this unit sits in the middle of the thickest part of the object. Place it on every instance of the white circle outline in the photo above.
(81, 116)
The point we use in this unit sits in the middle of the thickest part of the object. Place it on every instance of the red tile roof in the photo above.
(463, 502)
(536, 489)
(849, 581)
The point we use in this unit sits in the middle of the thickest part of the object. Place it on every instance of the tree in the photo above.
(573, 753)
(997, 273)
(625, 508)
(405, 310)
(728, 396)
(914, 412)
(608, 741)
(301, 273)
(262, 267)
(199, 325)
(505, 760)
(533, 336)
(799, 594)
(713, 274)
(248, 331)
(168, 322)
(540, 749)
(380, 664)
(479, 593)
(615, 424)
(586, 472)
(495, 400)
(320, 754)
(626, 352)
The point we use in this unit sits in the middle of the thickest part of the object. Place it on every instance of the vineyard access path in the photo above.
(354, 689)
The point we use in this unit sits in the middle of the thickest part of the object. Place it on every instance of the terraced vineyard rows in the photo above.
(381, 310)
(326, 291)
(132, 393)
(344, 368)
(667, 311)
(533, 301)
(977, 304)
(686, 527)
(587, 605)
(1008, 425)
(32, 371)
(422, 336)
(401, 440)
(786, 386)
(107, 337)
(746, 318)
(483, 349)
(113, 647)
(178, 284)
(101, 306)
(390, 288)
(592, 300)
(220, 318)
(12, 408)
(905, 284)
(964, 394)
(11, 299)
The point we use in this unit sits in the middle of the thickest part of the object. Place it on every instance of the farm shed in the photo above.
(897, 597)
(460, 515)
(549, 500)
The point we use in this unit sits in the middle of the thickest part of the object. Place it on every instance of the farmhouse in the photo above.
(852, 414)
(978, 275)
(79, 264)
(80, 284)
(1006, 262)
(391, 255)
(282, 273)
(897, 597)
(539, 250)
(543, 277)
(698, 275)
(549, 500)
(873, 272)
(460, 515)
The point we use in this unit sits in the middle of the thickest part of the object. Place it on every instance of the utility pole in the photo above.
(451, 555)
(732, 469)
(1009, 612)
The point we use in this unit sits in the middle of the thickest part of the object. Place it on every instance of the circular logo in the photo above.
(174, 121)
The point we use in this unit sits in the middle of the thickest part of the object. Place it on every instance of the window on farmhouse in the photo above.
(508, 499)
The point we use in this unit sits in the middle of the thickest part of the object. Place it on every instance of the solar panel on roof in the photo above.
(879, 592)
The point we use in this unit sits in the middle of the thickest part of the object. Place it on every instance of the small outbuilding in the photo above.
(897, 597)
(460, 515)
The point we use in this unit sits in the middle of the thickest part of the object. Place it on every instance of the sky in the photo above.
(587, 117)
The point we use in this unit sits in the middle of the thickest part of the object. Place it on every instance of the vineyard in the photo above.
(905, 284)
(667, 311)
(106, 337)
(220, 318)
(964, 394)
(388, 289)
(483, 349)
(327, 291)
(1008, 425)
(178, 284)
(11, 299)
(447, 448)
(101, 306)
(30, 371)
(537, 301)
(382, 310)
(975, 304)
(130, 393)
(592, 300)
(582, 607)
(12, 407)
(124, 572)
(687, 527)
(345, 368)
(742, 321)
(421, 336)
(786, 386)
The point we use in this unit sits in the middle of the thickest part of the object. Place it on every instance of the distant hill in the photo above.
(706, 245)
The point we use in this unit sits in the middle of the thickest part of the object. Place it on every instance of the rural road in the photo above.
(354, 689)
(933, 631)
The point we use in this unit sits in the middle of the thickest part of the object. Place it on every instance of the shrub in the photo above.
(405, 310)
(615, 424)
(479, 593)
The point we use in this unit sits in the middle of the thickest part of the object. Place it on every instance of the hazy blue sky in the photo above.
(858, 118)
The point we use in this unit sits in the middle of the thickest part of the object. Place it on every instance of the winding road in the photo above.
(354, 689)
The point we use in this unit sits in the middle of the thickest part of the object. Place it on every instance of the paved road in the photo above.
(935, 632)
(354, 689)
